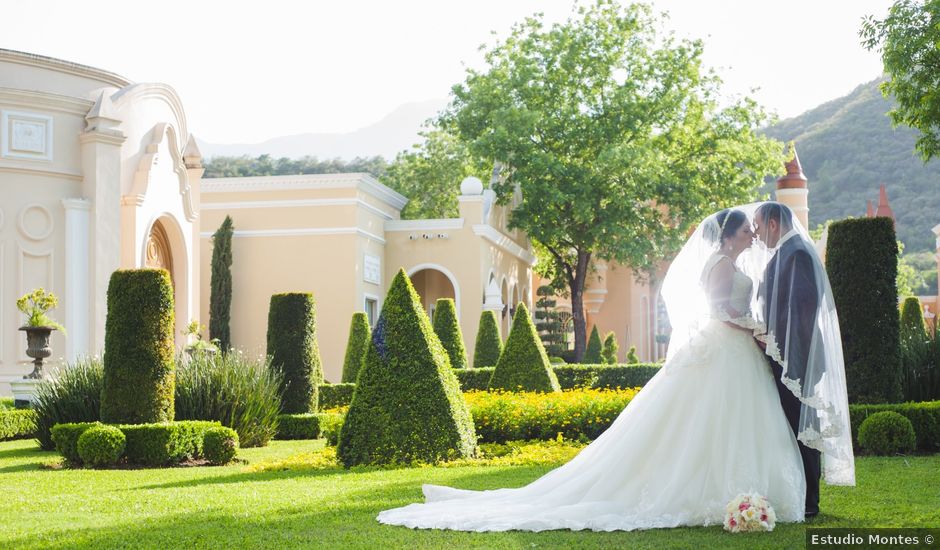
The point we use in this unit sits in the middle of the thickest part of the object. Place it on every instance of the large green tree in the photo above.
(907, 40)
(614, 134)
(220, 291)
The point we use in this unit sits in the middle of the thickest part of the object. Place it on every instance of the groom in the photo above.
(791, 299)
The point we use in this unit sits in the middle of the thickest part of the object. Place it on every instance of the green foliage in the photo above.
(335, 395)
(907, 40)
(17, 423)
(922, 271)
(594, 348)
(576, 414)
(887, 433)
(474, 379)
(220, 287)
(165, 443)
(865, 294)
(294, 352)
(575, 376)
(430, 174)
(489, 344)
(310, 426)
(447, 328)
(138, 348)
(847, 149)
(632, 357)
(72, 395)
(101, 445)
(548, 322)
(219, 445)
(925, 417)
(920, 370)
(264, 165)
(609, 352)
(35, 304)
(65, 436)
(605, 123)
(523, 365)
(241, 393)
(356, 347)
(407, 405)
(7, 403)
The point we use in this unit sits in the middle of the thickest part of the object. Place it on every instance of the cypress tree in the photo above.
(292, 345)
(356, 346)
(609, 353)
(447, 329)
(593, 354)
(524, 364)
(489, 344)
(220, 292)
(407, 405)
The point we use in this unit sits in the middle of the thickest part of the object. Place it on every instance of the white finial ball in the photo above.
(471, 186)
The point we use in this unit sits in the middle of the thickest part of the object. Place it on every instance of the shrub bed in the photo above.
(147, 444)
(309, 426)
(887, 433)
(72, 395)
(925, 418)
(101, 445)
(575, 376)
(17, 423)
(580, 414)
(335, 395)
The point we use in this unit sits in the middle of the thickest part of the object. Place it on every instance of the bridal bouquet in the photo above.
(749, 512)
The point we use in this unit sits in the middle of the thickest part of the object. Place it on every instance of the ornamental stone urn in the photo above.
(37, 347)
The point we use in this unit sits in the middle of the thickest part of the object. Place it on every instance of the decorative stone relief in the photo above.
(26, 135)
(372, 269)
(36, 222)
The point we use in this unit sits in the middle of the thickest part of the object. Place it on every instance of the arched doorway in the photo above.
(159, 254)
(165, 247)
(432, 283)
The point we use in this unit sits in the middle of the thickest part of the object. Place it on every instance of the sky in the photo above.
(250, 71)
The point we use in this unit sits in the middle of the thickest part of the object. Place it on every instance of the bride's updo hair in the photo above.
(723, 225)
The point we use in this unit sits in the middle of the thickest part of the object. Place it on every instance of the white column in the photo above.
(77, 287)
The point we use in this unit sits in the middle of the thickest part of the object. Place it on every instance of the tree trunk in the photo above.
(576, 285)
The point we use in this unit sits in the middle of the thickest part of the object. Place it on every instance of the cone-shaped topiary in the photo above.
(292, 345)
(523, 365)
(593, 354)
(139, 365)
(448, 330)
(220, 287)
(609, 353)
(489, 343)
(407, 405)
(356, 346)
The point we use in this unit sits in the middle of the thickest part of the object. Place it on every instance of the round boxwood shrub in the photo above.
(292, 345)
(356, 346)
(489, 344)
(448, 330)
(887, 433)
(101, 445)
(139, 366)
(407, 406)
(219, 445)
(523, 365)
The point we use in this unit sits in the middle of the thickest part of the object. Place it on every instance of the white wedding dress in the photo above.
(706, 428)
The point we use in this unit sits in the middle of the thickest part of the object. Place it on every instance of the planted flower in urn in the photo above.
(194, 329)
(39, 326)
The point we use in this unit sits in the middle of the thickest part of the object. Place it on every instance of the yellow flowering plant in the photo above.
(35, 304)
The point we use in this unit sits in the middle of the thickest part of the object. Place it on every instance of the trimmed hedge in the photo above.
(407, 405)
(147, 444)
(356, 347)
(489, 344)
(292, 345)
(523, 365)
(925, 417)
(887, 433)
(864, 287)
(310, 426)
(139, 365)
(17, 423)
(593, 354)
(447, 329)
(335, 395)
(101, 445)
(575, 376)
(219, 445)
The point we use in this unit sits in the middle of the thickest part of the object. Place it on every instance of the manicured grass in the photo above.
(229, 507)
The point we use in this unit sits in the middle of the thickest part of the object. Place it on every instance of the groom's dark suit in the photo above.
(790, 286)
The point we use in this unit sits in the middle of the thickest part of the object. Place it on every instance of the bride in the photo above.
(707, 427)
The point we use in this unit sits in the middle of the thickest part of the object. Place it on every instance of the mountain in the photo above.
(397, 131)
(848, 148)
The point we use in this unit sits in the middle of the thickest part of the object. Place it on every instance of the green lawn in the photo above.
(227, 507)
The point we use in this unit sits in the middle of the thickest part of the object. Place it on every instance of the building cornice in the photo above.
(32, 100)
(32, 171)
(502, 241)
(360, 180)
(424, 225)
(294, 203)
(301, 232)
(62, 66)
